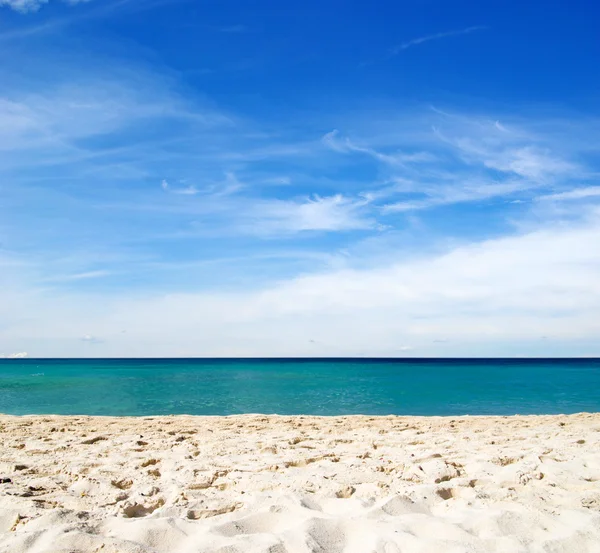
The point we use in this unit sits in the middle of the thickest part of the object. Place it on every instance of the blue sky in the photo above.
(326, 178)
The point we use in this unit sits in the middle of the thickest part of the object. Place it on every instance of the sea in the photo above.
(454, 387)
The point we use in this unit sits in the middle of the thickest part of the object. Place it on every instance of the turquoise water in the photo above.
(316, 386)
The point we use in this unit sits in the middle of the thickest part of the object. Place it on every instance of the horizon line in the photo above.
(304, 358)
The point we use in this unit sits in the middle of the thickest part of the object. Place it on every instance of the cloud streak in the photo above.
(582, 193)
(82, 276)
(28, 6)
(465, 159)
(344, 145)
(326, 214)
(436, 36)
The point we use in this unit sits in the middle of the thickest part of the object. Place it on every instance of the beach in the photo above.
(301, 484)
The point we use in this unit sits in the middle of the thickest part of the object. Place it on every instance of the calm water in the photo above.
(319, 387)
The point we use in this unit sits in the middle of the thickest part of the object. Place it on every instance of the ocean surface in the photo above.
(299, 386)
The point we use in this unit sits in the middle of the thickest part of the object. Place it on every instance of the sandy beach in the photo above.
(281, 484)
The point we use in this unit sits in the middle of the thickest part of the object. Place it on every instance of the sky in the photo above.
(190, 178)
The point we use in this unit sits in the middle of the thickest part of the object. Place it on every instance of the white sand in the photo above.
(300, 484)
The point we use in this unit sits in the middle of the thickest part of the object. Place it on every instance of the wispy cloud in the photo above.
(465, 159)
(345, 145)
(436, 36)
(229, 185)
(97, 10)
(183, 190)
(581, 193)
(82, 276)
(468, 294)
(333, 213)
(466, 192)
(23, 6)
(26, 6)
(528, 161)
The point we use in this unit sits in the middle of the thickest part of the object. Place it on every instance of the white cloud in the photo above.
(508, 152)
(467, 192)
(87, 275)
(23, 6)
(20, 355)
(26, 6)
(528, 162)
(466, 159)
(332, 213)
(229, 185)
(333, 141)
(581, 193)
(437, 36)
(184, 190)
(57, 119)
(483, 297)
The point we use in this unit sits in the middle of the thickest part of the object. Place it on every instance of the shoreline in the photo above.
(298, 416)
(299, 483)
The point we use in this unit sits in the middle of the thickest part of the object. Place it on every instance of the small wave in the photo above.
(37, 374)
